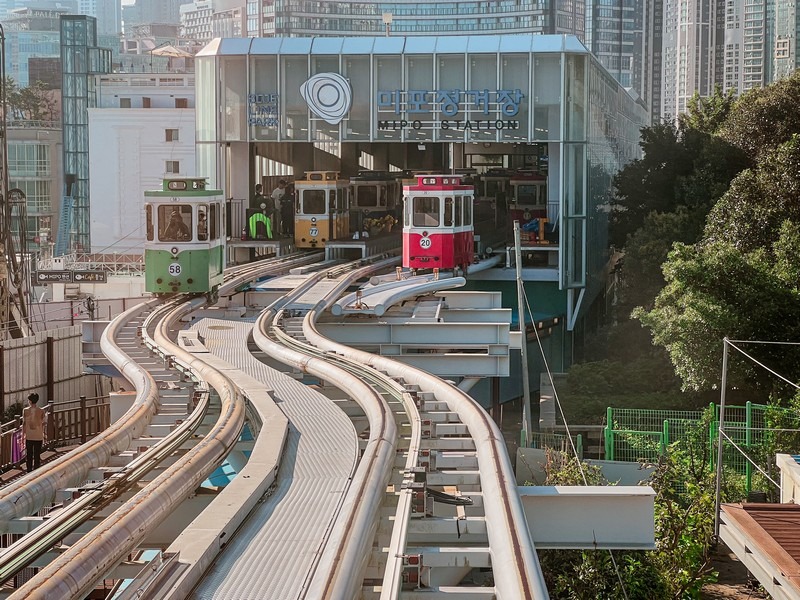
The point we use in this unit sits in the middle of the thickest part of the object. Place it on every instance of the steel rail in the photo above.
(75, 572)
(29, 494)
(96, 497)
(515, 565)
(134, 373)
(346, 549)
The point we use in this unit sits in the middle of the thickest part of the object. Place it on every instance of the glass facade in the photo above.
(547, 91)
(342, 18)
(81, 59)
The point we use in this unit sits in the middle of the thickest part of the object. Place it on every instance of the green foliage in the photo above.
(12, 412)
(647, 249)
(750, 215)
(681, 167)
(781, 435)
(764, 118)
(33, 103)
(708, 114)
(714, 291)
(684, 520)
(642, 375)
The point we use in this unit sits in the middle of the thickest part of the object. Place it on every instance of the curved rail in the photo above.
(36, 490)
(346, 550)
(29, 494)
(118, 534)
(515, 564)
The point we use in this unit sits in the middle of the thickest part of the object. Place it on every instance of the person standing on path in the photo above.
(33, 429)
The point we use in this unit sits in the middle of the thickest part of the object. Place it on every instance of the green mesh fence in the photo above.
(759, 431)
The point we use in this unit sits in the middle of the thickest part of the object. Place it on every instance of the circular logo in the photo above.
(175, 269)
(425, 243)
(328, 95)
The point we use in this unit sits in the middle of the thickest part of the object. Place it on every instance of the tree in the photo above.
(708, 114)
(759, 201)
(33, 103)
(684, 526)
(681, 167)
(715, 290)
(764, 118)
(647, 249)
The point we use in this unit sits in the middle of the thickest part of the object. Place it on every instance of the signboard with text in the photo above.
(52, 276)
(41, 277)
(475, 110)
(89, 276)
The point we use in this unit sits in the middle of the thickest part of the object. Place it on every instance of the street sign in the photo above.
(89, 276)
(53, 276)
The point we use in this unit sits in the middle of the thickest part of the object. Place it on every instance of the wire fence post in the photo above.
(748, 438)
(609, 434)
(720, 433)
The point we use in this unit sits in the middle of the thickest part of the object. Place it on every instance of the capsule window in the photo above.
(174, 222)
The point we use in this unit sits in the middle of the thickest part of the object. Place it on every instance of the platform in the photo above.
(238, 250)
(349, 249)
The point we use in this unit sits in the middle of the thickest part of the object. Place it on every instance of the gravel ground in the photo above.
(734, 580)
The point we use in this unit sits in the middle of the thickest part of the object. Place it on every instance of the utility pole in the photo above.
(526, 386)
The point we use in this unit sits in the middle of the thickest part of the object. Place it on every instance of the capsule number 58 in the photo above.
(425, 243)
(174, 269)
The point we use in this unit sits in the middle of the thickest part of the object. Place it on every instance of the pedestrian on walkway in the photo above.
(33, 429)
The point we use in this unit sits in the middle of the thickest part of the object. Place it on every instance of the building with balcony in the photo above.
(34, 166)
(196, 20)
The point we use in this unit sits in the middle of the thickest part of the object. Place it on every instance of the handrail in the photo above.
(74, 573)
(35, 490)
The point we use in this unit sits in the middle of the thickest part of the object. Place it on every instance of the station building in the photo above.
(540, 102)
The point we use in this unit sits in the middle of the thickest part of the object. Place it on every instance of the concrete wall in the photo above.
(531, 461)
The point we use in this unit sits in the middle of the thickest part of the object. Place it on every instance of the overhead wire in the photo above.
(564, 419)
(762, 365)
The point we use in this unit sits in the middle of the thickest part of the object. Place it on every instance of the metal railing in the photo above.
(68, 423)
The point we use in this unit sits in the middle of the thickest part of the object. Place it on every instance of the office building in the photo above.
(288, 18)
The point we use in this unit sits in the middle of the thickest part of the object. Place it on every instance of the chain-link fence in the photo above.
(756, 432)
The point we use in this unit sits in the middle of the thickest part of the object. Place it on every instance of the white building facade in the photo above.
(142, 131)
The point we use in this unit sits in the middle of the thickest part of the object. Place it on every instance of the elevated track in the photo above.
(416, 497)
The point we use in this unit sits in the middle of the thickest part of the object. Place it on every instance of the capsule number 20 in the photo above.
(425, 243)
(174, 269)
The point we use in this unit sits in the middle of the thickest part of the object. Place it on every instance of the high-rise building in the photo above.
(228, 19)
(688, 52)
(266, 18)
(747, 51)
(144, 12)
(108, 14)
(616, 33)
(784, 47)
(653, 59)
(30, 34)
(196, 20)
